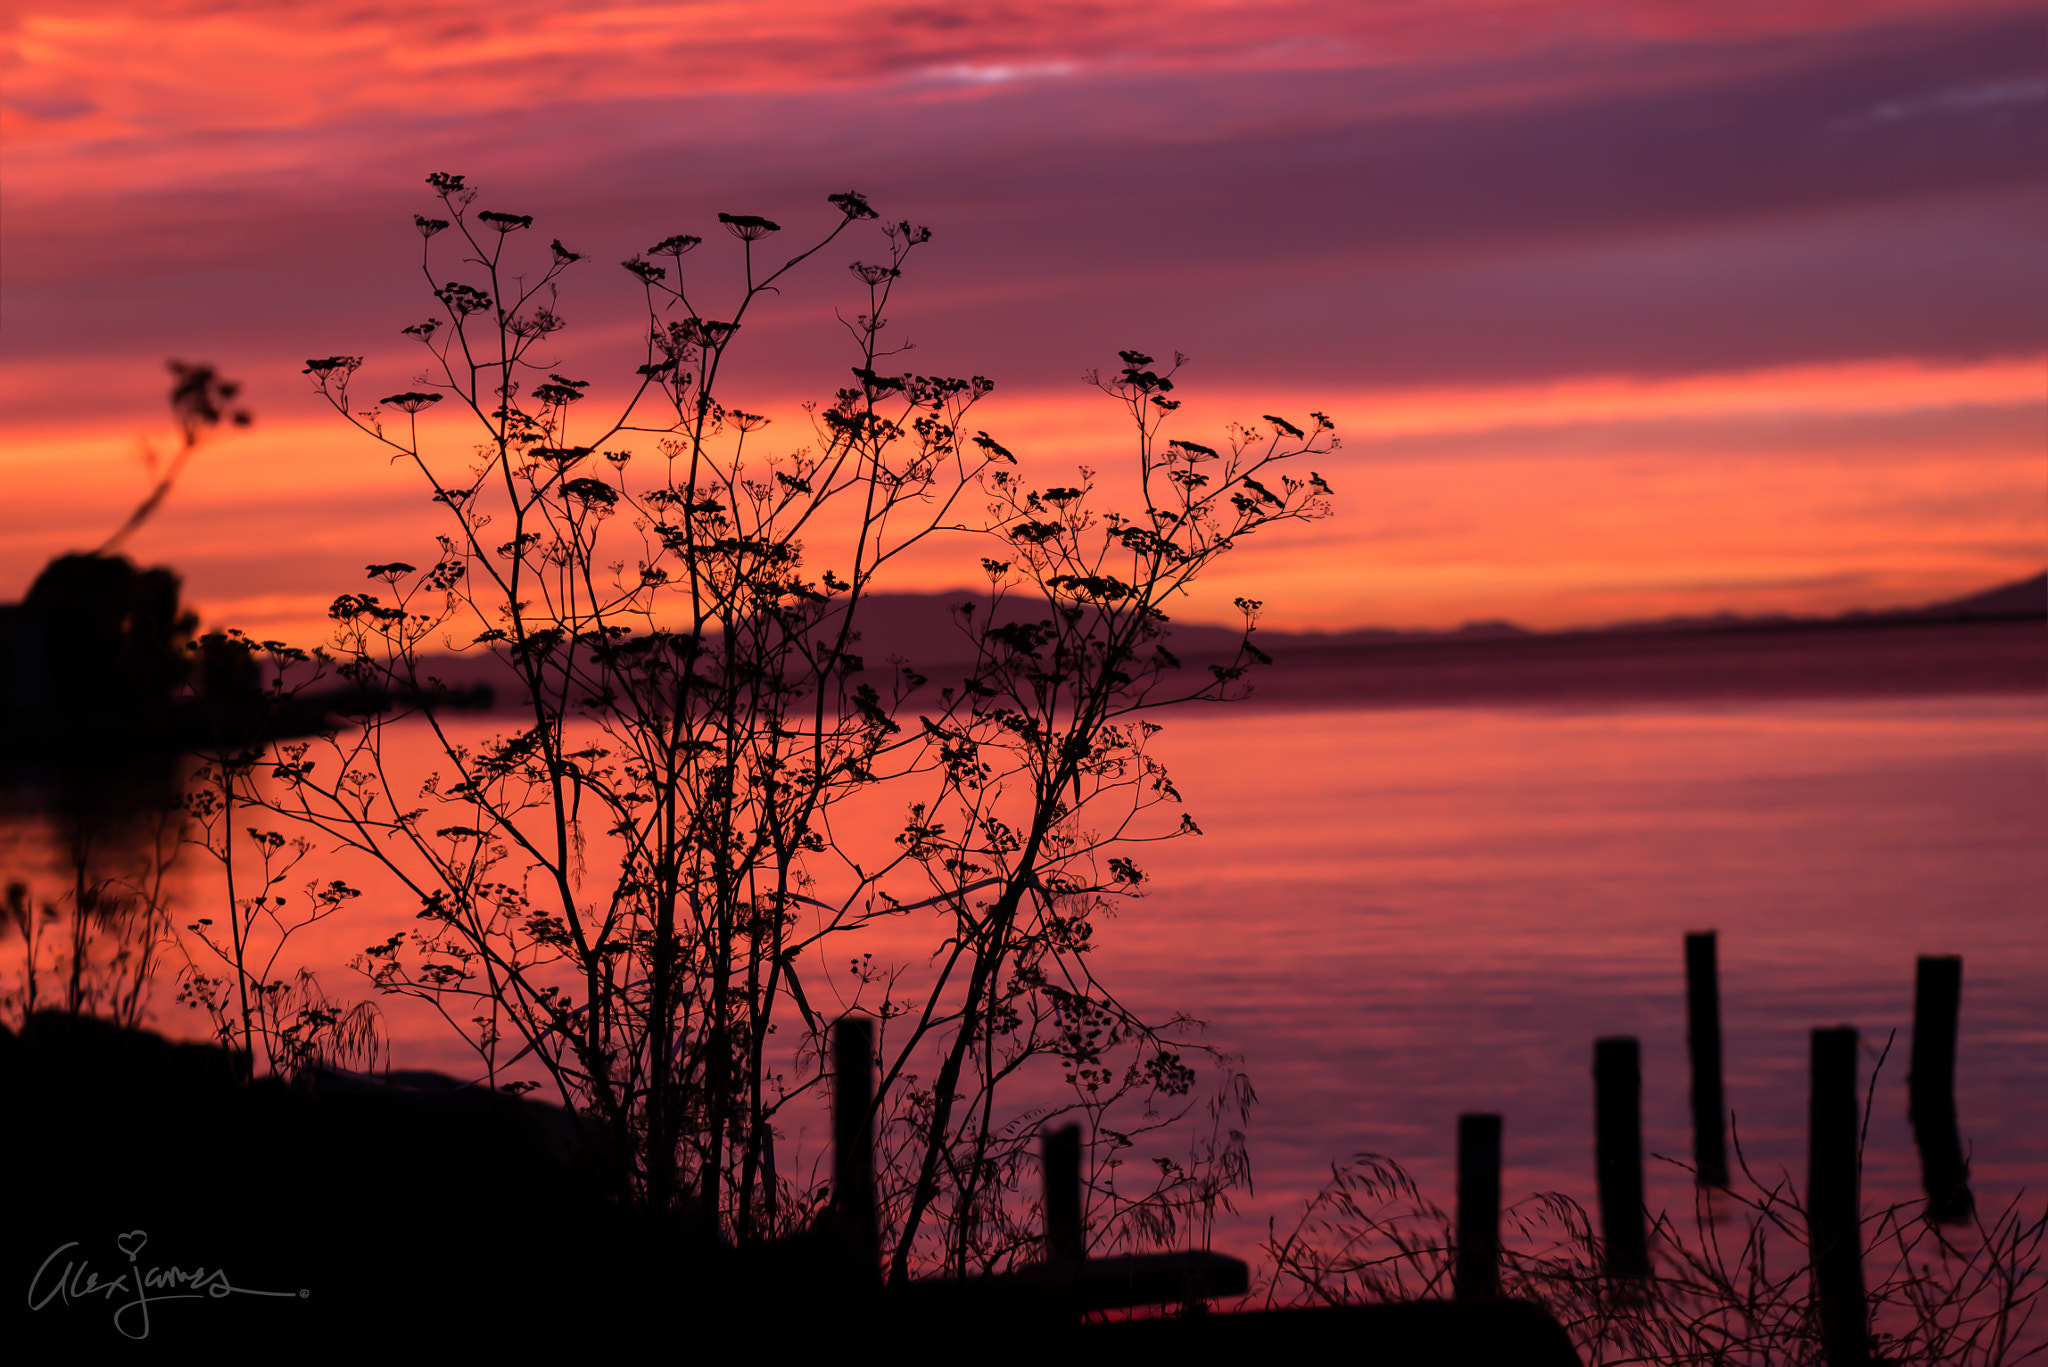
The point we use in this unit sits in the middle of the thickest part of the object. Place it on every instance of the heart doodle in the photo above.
(131, 1243)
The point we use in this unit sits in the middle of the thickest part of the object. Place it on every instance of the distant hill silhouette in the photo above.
(1988, 642)
(2017, 601)
(2023, 598)
(925, 630)
(1994, 648)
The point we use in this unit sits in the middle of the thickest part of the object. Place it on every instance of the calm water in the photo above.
(1399, 915)
(1403, 915)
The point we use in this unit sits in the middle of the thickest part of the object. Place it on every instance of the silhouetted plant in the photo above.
(95, 949)
(633, 887)
(281, 1020)
(96, 660)
(1041, 738)
(201, 400)
(1736, 1288)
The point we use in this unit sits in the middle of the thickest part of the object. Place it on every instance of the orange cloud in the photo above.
(1807, 488)
(1893, 385)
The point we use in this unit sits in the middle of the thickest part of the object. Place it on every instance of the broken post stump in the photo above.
(1477, 1274)
(1065, 1240)
(1703, 1042)
(1833, 1211)
(1937, 1000)
(853, 1143)
(1618, 1154)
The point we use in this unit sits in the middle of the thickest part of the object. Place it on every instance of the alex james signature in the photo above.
(144, 1287)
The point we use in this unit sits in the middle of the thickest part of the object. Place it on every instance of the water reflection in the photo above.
(1398, 915)
(127, 754)
(90, 781)
(1423, 913)
(91, 850)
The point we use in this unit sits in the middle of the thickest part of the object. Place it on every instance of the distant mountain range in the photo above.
(1989, 642)
(2020, 599)
(925, 629)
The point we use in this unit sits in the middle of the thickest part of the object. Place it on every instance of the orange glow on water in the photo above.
(1396, 915)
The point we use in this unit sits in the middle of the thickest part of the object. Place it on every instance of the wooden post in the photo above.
(1833, 1201)
(1064, 1238)
(1703, 1042)
(1477, 1275)
(1618, 1150)
(853, 1143)
(1937, 998)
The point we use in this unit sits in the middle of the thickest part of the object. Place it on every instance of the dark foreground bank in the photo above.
(160, 1201)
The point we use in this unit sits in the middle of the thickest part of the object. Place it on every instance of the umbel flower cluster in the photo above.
(645, 892)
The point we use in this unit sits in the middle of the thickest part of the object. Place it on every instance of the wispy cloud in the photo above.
(1985, 95)
(1589, 248)
(102, 69)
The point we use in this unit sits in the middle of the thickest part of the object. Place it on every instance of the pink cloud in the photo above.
(1435, 214)
(83, 72)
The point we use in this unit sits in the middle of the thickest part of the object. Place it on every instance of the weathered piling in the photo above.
(1703, 1042)
(1937, 999)
(853, 1143)
(1477, 1273)
(1065, 1241)
(1618, 1150)
(1833, 1212)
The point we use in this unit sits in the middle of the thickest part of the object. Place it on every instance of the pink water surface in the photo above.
(1405, 915)
(1398, 915)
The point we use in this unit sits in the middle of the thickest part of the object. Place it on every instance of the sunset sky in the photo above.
(1622, 307)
